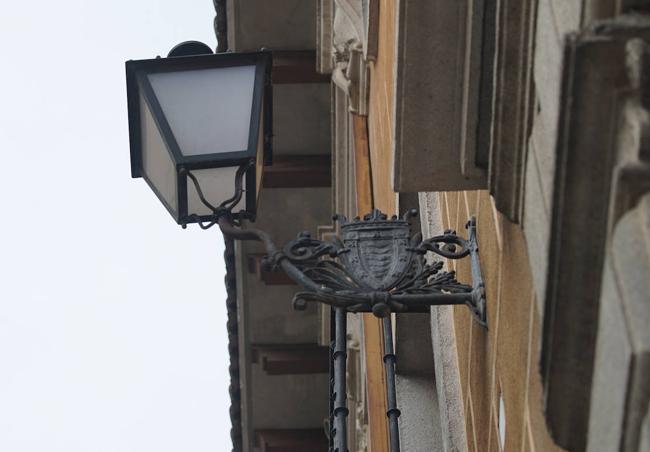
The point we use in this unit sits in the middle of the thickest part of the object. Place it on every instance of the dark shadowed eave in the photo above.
(221, 25)
(233, 346)
(221, 31)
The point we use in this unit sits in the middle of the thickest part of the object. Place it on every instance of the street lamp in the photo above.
(203, 118)
(200, 131)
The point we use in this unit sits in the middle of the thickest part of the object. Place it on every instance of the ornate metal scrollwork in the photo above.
(305, 249)
(377, 266)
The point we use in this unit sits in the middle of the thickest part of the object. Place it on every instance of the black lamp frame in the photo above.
(138, 85)
(349, 273)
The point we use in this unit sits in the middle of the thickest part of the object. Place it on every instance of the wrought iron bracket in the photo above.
(376, 265)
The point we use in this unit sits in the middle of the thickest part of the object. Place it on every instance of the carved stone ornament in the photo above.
(350, 72)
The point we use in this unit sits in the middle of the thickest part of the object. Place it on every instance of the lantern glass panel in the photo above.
(157, 165)
(216, 184)
(208, 110)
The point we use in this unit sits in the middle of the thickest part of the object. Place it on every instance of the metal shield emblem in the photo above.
(378, 255)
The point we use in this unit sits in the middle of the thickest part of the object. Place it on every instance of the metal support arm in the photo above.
(376, 266)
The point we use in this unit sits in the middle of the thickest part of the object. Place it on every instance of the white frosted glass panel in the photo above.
(218, 184)
(157, 165)
(208, 110)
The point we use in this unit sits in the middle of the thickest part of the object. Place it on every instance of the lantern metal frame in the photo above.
(138, 85)
(375, 266)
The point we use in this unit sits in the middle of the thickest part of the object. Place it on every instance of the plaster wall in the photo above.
(500, 363)
(283, 213)
(621, 389)
(555, 18)
(266, 317)
(300, 121)
(273, 24)
(289, 401)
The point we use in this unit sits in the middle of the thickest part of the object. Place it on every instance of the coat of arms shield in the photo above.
(378, 254)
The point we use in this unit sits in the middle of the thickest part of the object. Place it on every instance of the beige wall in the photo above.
(503, 360)
(381, 106)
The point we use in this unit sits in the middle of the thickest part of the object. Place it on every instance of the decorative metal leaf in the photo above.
(304, 249)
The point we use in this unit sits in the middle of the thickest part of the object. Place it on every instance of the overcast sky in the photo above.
(112, 318)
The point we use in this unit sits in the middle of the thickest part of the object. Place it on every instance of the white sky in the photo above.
(112, 318)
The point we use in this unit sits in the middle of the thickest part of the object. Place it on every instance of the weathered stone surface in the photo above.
(621, 390)
(567, 15)
(536, 229)
(419, 423)
(436, 104)
(265, 316)
(443, 336)
(644, 446)
(301, 122)
(548, 71)
(594, 75)
(288, 401)
(324, 22)
(507, 99)
(413, 342)
(541, 148)
(277, 24)
(613, 361)
(450, 396)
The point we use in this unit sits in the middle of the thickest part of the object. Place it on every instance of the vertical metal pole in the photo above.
(340, 432)
(330, 433)
(391, 391)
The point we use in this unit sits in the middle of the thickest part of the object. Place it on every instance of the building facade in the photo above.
(532, 116)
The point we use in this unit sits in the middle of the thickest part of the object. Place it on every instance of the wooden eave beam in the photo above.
(292, 359)
(298, 171)
(291, 440)
(295, 67)
(373, 334)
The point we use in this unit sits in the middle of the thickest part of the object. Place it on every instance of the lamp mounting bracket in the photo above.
(376, 265)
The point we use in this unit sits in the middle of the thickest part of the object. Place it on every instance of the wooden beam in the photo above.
(268, 277)
(291, 359)
(298, 171)
(362, 164)
(291, 440)
(296, 66)
(373, 334)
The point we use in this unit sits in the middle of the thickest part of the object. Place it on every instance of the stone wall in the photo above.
(555, 18)
(621, 388)
(501, 362)
(548, 223)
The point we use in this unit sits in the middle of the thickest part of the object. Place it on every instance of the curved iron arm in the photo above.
(301, 251)
(275, 256)
(341, 284)
(381, 303)
(448, 245)
(406, 284)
